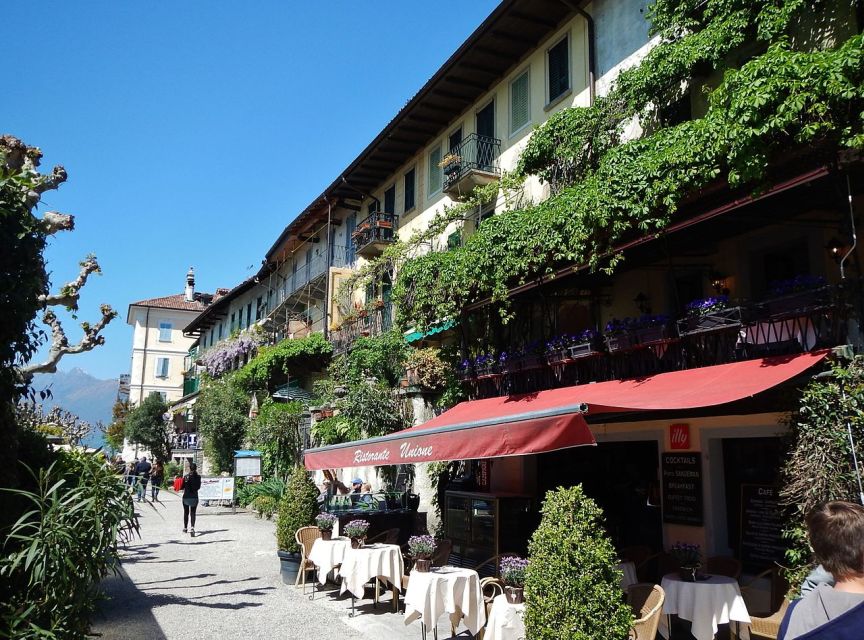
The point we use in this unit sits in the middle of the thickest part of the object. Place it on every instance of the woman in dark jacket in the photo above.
(191, 484)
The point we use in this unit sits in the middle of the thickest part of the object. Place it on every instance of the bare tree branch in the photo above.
(50, 182)
(60, 343)
(71, 291)
(54, 221)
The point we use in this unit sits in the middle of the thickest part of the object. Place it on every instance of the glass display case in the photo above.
(482, 525)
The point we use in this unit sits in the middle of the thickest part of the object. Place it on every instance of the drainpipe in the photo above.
(329, 266)
(592, 49)
(144, 358)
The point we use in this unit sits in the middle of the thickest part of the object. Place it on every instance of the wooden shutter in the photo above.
(559, 69)
(520, 104)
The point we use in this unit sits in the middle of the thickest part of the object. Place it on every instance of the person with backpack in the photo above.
(191, 485)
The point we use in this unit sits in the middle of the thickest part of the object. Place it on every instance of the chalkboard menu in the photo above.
(682, 488)
(761, 526)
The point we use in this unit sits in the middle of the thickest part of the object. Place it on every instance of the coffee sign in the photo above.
(682, 488)
(679, 436)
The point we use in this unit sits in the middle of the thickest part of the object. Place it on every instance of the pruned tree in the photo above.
(55, 422)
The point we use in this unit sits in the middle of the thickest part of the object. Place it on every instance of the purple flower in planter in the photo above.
(705, 306)
(513, 570)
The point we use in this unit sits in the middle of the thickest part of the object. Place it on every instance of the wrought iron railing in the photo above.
(379, 226)
(474, 153)
(373, 323)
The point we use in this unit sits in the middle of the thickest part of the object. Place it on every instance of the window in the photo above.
(232, 322)
(435, 178)
(350, 226)
(164, 332)
(454, 240)
(163, 395)
(410, 182)
(455, 139)
(520, 103)
(161, 367)
(249, 315)
(390, 200)
(558, 65)
(259, 306)
(220, 330)
(212, 334)
(372, 207)
(485, 119)
(484, 212)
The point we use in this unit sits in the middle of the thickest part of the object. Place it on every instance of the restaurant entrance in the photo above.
(622, 477)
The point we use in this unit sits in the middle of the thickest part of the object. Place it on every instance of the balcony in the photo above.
(373, 323)
(374, 234)
(191, 385)
(474, 163)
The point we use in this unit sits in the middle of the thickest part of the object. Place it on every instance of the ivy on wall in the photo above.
(604, 189)
(292, 356)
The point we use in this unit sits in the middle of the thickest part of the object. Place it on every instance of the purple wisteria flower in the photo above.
(513, 570)
(222, 357)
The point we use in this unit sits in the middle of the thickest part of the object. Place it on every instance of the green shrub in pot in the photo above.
(297, 508)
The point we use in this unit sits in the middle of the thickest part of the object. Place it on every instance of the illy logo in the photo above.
(679, 436)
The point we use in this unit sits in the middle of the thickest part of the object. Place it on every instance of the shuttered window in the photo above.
(161, 367)
(435, 179)
(165, 332)
(390, 200)
(410, 182)
(520, 103)
(558, 59)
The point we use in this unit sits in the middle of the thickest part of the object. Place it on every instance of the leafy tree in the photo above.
(291, 357)
(573, 585)
(146, 425)
(819, 465)
(297, 508)
(276, 433)
(116, 431)
(223, 411)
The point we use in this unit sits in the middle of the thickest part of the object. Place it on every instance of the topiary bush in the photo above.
(573, 585)
(298, 508)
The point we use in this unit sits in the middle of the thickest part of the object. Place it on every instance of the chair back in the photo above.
(389, 536)
(636, 554)
(490, 587)
(646, 600)
(769, 627)
(305, 537)
(442, 553)
(723, 566)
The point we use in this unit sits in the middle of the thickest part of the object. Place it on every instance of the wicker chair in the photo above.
(768, 627)
(723, 566)
(491, 567)
(305, 537)
(646, 600)
(442, 553)
(390, 536)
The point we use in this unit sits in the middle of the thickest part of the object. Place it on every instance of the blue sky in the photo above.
(194, 131)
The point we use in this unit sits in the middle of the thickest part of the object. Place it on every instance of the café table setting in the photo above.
(328, 555)
(371, 561)
(707, 602)
(451, 590)
(505, 620)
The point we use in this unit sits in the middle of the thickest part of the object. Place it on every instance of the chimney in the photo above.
(190, 285)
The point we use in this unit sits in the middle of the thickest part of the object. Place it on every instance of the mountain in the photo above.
(77, 391)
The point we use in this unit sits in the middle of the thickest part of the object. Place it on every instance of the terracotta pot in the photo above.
(515, 595)
(357, 543)
(422, 565)
(326, 534)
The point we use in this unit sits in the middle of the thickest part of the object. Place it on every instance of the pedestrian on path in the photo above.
(191, 484)
(142, 470)
(130, 475)
(157, 475)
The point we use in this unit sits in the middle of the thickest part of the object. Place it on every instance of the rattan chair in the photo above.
(646, 600)
(723, 566)
(390, 536)
(442, 553)
(768, 627)
(491, 567)
(305, 538)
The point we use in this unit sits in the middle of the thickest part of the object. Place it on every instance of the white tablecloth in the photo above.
(445, 590)
(505, 620)
(328, 554)
(628, 569)
(359, 566)
(705, 603)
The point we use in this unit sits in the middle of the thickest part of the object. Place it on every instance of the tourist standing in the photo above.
(157, 475)
(142, 470)
(191, 484)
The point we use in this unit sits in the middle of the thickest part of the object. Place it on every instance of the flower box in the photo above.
(637, 338)
(559, 356)
(796, 303)
(720, 320)
(490, 368)
(585, 349)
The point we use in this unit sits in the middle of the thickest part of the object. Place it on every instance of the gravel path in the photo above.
(225, 583)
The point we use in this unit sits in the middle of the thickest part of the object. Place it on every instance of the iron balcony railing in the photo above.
(379, 226)
(373, 323)
(308, 271)
(474, 153)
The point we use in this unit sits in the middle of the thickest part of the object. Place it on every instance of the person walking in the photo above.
(130, 475)
(191, 484)
(157, 475)
(142, 470)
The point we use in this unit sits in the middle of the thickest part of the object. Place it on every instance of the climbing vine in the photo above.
(604, 189)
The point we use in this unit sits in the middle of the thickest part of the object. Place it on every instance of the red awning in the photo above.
(552, 419)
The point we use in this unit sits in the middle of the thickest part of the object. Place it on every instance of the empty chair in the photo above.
(636, 554)
(491, 567)
(653, 568)
(768, 627)
(646, 601)
(723, 566)
(442, 553)
(306, 537)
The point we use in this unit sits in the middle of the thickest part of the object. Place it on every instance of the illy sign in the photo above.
(679, 436)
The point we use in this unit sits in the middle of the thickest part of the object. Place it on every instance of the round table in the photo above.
(705, 603)
(505, 620)
(328, 554)
(359, 566)
(445, 590)
(628, 574)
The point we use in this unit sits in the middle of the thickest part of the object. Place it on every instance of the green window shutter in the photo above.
(520, 103)
(409, 190)
(454, 240)
(435, 176)
(559, 69)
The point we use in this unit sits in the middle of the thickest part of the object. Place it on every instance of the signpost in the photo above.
(247, 464)
(682, 488)
(216, 489)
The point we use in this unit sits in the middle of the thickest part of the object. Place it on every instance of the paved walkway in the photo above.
(225, 583)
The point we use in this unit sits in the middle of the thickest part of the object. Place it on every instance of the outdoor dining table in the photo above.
(327, 555)
(628, 574)
(705, 603)
(442, 590)
(505, 620)
(371, 561)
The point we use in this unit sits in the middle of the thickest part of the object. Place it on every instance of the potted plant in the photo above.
(325, 522)
(710, 314)
(297, 508)
(513, 574)
(689, 556)
(421, 549)
(357, 530)
(558, 349)
(584, 344)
